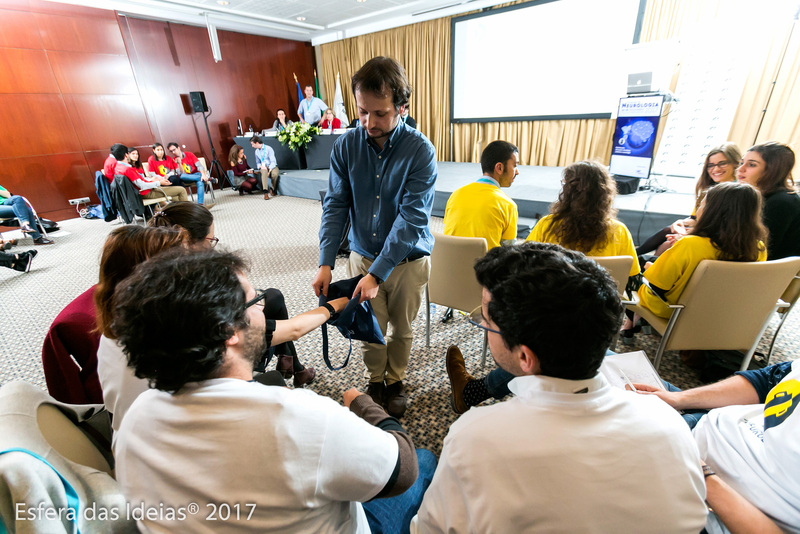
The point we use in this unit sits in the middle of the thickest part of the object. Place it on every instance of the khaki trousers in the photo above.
(269, 178)
(175, 192)
(396, 304)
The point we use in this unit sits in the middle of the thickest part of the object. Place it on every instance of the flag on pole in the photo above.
(316, 83)
(338, 104)
(299, 97)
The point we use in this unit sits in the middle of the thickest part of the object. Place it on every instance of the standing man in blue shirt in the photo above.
(311, 109)
(383, 176)
(267, 165)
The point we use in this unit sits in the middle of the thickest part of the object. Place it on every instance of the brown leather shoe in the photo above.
(458, 375)
(376, 390)
(306, 376)
(285, 365)
(266, 196)
(395, 400)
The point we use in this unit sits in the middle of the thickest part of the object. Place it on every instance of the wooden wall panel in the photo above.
(102, 120)
(98, 74)
(40, 125)
(48, 180)
(18, 30)
(77, 34)
(28, 71)
(75, 80)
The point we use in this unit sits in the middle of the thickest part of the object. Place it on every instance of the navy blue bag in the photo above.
(355, 321)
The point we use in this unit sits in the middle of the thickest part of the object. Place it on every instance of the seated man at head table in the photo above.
(569, 453)
(279, 460)
(746, 431)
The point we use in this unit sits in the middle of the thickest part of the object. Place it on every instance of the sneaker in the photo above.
(23, 262)
(42, 241)
(376, 390)
(396, 400)
(210, 205)
(448, 316)
(459, 377)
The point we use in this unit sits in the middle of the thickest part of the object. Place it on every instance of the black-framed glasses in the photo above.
(261, 294)
(721, 165)
(213, 241)
(483, 326)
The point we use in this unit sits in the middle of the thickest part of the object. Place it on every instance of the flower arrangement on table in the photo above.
(298, 134)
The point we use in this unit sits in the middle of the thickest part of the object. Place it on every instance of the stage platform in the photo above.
(644, 212)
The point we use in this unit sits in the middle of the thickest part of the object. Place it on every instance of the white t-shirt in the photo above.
(553, 460)
(119, 383)
(763, 465)
(299, 461)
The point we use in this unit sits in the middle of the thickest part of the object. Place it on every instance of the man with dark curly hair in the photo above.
(251, 456)
(568, 453)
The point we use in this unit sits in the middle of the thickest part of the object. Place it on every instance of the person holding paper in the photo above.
(748, 439)
(569, 453)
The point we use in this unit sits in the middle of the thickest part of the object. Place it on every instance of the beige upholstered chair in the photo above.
(73, 439)
(726, 306)
(619, 267)
(452, 282)
(790, 297)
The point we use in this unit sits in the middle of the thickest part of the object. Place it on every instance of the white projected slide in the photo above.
(552, 59)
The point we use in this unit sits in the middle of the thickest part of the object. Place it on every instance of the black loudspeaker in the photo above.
(626, 185)
(199, 104)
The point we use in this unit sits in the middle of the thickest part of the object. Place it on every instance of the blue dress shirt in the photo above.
(312, 110)
(266, 155)
(388, 194)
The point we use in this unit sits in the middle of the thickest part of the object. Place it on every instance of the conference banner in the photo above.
(635, 136)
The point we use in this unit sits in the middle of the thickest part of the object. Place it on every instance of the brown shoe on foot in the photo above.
(395, 400)
(306, 376)
(266, 196)
(458, 375)
(376, 390)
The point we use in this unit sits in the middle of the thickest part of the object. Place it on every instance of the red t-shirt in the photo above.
(188, 164)
(109, 168)
(133, 175)
(161, 167)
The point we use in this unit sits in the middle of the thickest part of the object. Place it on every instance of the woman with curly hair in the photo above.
(719, 167)
(582, 218)
(728, 228)
(243, 174)
(768, 167)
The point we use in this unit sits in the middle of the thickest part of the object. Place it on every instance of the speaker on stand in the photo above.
(199, 105)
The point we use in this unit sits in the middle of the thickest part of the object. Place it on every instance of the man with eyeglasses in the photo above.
(568, 453)
(237, 452)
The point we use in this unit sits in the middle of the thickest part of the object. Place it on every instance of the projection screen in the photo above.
(542, 60)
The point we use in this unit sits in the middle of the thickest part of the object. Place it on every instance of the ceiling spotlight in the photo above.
(223, 2)
(301, 19)
(361, 1)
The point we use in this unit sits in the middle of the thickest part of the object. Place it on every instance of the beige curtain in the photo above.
(781, 120)
(424, 50)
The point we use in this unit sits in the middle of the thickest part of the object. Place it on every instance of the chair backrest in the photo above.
(203, 161)
(619, 267)
(727, 303)
(452, 282)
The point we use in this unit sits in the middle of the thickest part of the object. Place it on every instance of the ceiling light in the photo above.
(361, 1)
(223, 2)
(301, 19)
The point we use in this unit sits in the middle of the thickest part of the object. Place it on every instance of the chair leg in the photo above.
(427, 317)
(749, 355)
(777, 331)
(665, 338)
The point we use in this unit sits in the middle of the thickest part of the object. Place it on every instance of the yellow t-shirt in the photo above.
(673, 269)
(620, 242)
(481, 209)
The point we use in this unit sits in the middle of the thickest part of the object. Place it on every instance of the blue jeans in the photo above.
(394, 514)
(15, 206)
(692, 417)
(197, 178)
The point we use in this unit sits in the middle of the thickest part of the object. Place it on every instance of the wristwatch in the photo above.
(707, 471)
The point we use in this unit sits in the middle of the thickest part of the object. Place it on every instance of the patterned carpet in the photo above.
(279, 239)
